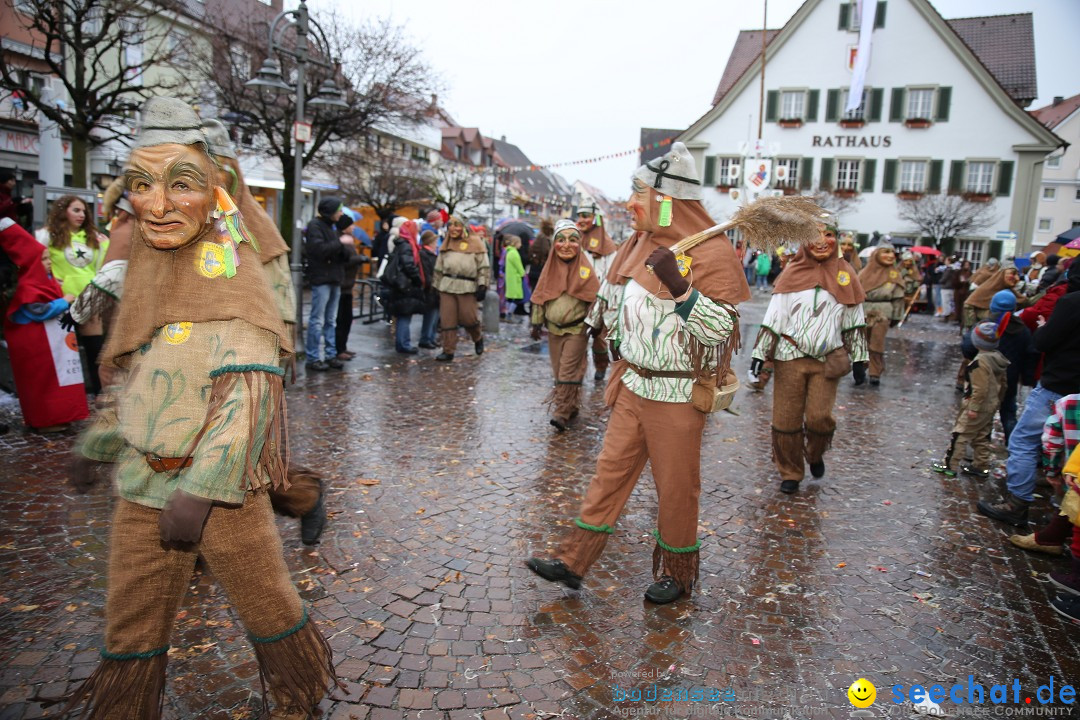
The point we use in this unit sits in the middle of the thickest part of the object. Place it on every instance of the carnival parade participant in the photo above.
(601, 248)
(462, 271)
(813, 335)
(849, 253)
(884, 305)
(910, 277)
(564, 294)
(196, 452)
(677, 324)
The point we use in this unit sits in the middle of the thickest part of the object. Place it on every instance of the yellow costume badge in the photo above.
(843, 278)
(177, 333)
(595, 242)
(893, 274)
(464, 246)
(584, 272)
(684, 263)
(210, 262)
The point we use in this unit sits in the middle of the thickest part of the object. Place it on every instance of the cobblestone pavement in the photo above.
(444, 478)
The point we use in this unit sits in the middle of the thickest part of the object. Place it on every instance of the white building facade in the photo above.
(933, 119)
(1059, 194)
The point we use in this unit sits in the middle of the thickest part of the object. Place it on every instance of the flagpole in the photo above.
(761, 93)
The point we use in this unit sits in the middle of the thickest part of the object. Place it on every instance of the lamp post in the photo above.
(270, 78)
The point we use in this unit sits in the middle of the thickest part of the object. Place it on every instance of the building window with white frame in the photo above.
(787, 172)
(792, 104)
(858, 113)
(980, 178)
(1049, 193)
(913, 176)
(1054, 161)
(1045, 224)
(847, 174)
(920, 103)
(727, 171)
(971, 250)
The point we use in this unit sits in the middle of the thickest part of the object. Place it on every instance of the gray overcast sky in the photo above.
(571, 79)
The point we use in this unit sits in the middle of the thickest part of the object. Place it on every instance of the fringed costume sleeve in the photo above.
(851, 330)
(709, 321)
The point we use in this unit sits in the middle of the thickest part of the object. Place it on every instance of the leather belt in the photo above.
(459, 277)
(164, 464)
(572, 323)
(647, 373)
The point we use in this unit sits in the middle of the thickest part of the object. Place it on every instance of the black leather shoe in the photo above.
(313, 522)
(444, 357)
(480, 346)
(554, 571)
(335, 363)
(407, 351)
(558, 424)
(428, 346)
(598, 375)
(1011, 510)
(663, 591)
(318, 366)
(817, 469)
(875, 381)
(789, 487)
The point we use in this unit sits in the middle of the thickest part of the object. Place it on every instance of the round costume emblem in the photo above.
(595, 242)
(177, 333)
(683, 262)
(843, 278)
(210, 262)
(464, 246)
(584, 272)
(78, 255)
(893, 274)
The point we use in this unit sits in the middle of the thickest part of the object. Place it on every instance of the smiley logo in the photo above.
(862, 693)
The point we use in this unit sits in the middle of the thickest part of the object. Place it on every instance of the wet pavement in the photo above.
(444, 478)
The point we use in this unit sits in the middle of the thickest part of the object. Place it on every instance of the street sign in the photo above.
(302, 132)
(1005, 235)
(1008, 242)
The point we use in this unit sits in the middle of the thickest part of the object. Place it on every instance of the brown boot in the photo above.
(1028, 542)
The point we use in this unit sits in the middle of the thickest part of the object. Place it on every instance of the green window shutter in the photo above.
(879, 15)
(806, 173)
(937, 167)
(869, 169)
(944, 99)
(710, 171)
(877, 99)
(995, 249)
(772, 105)
(812, 99)
(956, 177)
(845, 13)
(888, 183)
(1005, 173)
(832, 105)
(826, 182)
(896, 107)
(862, 238)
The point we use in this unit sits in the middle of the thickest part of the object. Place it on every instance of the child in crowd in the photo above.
(984, 387)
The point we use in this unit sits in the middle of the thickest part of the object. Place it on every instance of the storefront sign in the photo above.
(25, 143)
(850, 141)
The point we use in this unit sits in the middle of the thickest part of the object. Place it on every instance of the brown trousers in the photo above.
(877, 327)
(802, 420)
(974, 432)
(457, 311)
(147, 583)
(669, 436)
(569, 360)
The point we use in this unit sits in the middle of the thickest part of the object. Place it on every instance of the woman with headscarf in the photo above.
(462, 272)
(813, 334)
(884, 305)
(985, 272)
(977, 304)
(564, 293)
(199, 437)
(675, 328)
(850, 253)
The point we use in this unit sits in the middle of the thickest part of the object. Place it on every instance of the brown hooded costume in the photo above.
(665, 345)
(199, 439)
(601, 250)
(462, 272)
(884, 306)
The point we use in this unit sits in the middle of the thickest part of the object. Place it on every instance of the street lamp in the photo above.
(270, 78)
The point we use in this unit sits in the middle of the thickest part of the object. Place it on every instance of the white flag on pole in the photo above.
(866, 10)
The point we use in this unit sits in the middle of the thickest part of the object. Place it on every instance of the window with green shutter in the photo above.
(879, 15)
(845, 16)
(896, 105)
(710, 171)
(956, 177)
(806, 173)
(832, 105)
(812, 99)
(944, 99)
(877, 100)
(826, 182)
(772, 105)
(937, 167)
(888, 182)
(1005, 173)
(869, 169)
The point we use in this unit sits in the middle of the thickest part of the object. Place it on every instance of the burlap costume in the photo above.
(201, 413)
(813, 332)
(884, 306)
(561, 301)
(661, 343)
(601, 249)
(462, 267)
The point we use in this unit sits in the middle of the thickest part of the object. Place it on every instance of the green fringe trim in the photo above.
(135, 656)
(282, 635)
(605, 528)
(567, 382)
(693, 548)
(107, 292)
(272, 369)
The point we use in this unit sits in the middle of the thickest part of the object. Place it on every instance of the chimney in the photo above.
(502, 139)
(1058, 99)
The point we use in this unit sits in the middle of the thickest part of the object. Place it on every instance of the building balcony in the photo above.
(791, 123)
(917, 123)
(909, 194)
(852, 123)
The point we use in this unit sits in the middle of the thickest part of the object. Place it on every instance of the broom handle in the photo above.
(697, 238)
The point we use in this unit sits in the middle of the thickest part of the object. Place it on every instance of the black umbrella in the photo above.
(1069, 235)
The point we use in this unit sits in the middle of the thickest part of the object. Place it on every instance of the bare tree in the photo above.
(943, 217)
(385, 80)
(106, 54)
(381, 180)
(456, 187)
(837, 204)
